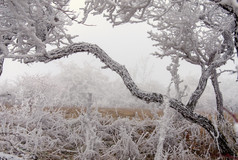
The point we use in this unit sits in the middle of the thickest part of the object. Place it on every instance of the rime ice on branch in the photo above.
(28, 27)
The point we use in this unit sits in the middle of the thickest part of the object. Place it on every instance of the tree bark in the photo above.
(1, 61)
(1, 65)
(219, 98)
(205, 123)
(199, 91)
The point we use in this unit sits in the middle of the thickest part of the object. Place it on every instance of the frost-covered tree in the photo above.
(28, 27)
(202, 32)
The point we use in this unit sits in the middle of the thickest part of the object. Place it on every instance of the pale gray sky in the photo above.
(128, 44)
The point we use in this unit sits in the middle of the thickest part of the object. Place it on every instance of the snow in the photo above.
(4, 156)
(232, 3)
(236, 128)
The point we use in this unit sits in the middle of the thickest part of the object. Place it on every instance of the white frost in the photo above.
(236, 128)
(232, 3)
(4, 156)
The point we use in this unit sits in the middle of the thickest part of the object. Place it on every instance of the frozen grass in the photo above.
(106, 133)
(73, 112)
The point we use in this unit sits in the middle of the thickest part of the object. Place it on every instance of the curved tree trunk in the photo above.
(205, 123)
(186, 112)
(199, 91)
(219, 98)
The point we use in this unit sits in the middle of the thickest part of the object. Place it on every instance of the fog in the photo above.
(127, 44)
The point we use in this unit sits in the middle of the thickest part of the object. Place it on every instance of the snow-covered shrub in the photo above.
(73, 86)
(35, 90)
(76, 82)
(48, 134)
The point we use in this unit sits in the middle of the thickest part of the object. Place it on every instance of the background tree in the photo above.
(201, 32)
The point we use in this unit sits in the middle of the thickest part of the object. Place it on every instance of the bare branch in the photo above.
(110, 63)
(219, 98)
(205, 123)
(199, 90)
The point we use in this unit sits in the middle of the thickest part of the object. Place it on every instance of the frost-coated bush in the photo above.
(48, 134)
(36, 90)
(70, 88)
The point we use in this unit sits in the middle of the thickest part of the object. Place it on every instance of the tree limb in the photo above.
(199, 90)
(1, 65)
(219, 98)
(217, 135)
(110, 63)
(187, 113)
(230, 10)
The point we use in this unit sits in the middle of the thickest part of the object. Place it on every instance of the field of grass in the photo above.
(141, 113)
(198, 145)
(72, 112)
(113, 133)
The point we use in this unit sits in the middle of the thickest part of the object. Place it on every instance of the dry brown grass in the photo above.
(72, 112)
(129, 112)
